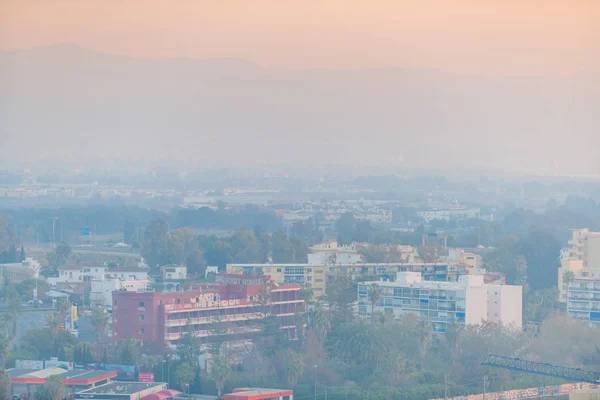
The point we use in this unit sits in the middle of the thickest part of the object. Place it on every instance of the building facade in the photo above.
(466, 302)
(332, 253)
(583, 300)
(580, 260)
(19, 272)
(318, 275)
(237, 305)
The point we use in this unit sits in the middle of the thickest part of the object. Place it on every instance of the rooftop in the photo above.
(122, 388)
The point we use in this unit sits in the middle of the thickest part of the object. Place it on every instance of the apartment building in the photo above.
(449, 214)
(468, 301)
(102, 290)
(333, 253)
(19, 272)
(583, 300)
(318, 275)
(580, 260)
(238, 305)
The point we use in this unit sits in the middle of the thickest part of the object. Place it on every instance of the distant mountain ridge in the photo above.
(66, 100)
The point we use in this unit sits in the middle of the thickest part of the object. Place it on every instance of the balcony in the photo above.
(212, 319)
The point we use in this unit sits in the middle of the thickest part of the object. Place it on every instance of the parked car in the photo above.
(35, 302)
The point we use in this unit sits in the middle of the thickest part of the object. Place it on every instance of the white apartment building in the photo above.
(332, 253)
(102, 290)
(466, 302)
(18, 272)
(449, 214)
(77, 273)
(127, 273)
(583, 300)
(174, 272)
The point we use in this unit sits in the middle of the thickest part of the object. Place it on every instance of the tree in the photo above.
(568, 277)
(54, 320)
(22, 255)
(220, 371)
(374, 294)
(100, 320)
(63, 307)
(53, 389)
(184, 374)
(155, 248)
(293, 366)
(5, 385)
(62, 253)
(345, 226)
(540, 248)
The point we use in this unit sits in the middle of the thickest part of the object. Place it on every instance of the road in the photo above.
(28, 320)
(36, 319)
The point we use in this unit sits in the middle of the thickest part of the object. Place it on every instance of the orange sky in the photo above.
(486, 36)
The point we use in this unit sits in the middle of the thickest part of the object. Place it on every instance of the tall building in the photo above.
(318, 275)
(581, 260)
(583, 300)
(465, 302)
(237, 303)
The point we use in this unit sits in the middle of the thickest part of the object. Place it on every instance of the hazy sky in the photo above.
(486, 36)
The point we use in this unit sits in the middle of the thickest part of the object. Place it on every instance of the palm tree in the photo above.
(184, 375)
(374, 294)
(220, 371)
(423, 332)
(100, 321)
(54, 320)
(63, 307)
(293, 365)
(53, 389)
(567, 277)
(317, 319)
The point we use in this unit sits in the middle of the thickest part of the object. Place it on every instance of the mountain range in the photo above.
(68, 102)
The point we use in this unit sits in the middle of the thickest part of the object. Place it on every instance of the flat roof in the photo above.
(121, 388)
(73, 377)
(256, 394)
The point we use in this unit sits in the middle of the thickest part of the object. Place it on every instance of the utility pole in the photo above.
(316, 367)
(485, 384)
(54, 229)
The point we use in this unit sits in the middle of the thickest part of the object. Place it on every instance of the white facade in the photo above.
(102, 290)
(583, 301)
(450, 214)
(332, 253)
(124, 273)
(466, 302)
(174, 272)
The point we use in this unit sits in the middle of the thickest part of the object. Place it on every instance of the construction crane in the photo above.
(533, 367)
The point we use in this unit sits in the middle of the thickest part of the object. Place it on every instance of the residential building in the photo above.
(318, 275)
(102, 290)
(449, 214)
(583, 300)
(19, 272)
(173, 272)
(582, 259)
(77, 273)
(332, 253)
(465, 302)
(137, 273)
(238, 302)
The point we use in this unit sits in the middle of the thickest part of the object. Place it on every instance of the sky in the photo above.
(496, 37)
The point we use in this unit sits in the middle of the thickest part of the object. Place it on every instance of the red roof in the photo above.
(163, 394)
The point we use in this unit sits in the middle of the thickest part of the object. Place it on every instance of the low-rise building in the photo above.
(102, 290)
(128, 391)
(19, 272)
(583, 300)
(468, 301)
(332, 253)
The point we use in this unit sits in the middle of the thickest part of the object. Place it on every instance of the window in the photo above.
(178, 301)
(142, 317)
(115, 302)
(141, 331)
(141, 304)
(186, 300)
(309, 278)
(278, 269)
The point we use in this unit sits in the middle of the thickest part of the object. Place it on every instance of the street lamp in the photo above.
(316, 368)
(187, 389)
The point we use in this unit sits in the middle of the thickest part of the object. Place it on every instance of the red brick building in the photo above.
(237, 302)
